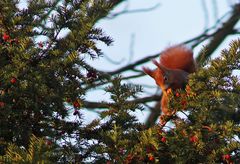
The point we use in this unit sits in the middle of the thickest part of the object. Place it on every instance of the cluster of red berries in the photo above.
(7, 39)
(226, 157)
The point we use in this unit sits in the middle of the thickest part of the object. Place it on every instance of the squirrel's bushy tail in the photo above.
(178, 57)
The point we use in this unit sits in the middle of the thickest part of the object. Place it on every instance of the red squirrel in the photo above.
(176, 63)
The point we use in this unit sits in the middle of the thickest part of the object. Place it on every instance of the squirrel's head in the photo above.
(161, 75)
(167, 78)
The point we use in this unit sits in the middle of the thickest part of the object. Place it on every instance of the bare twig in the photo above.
(215, 9)
(133, 65)
(126, 11)
(131, 48)
(114, 61)
(205, 11)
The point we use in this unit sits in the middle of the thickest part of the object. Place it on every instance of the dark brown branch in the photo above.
(154, 114)
(100, 105)
(133, 65)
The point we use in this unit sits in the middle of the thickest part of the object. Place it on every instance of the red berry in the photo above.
(2, 104)
(226, 157)
(13, 80)
(76, 104)
(194, 139)
(151, 158)
(5, 37)
(177, 94)
(164, 139)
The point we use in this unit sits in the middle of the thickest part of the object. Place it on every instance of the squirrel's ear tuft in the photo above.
(148, 71)
(161, 67)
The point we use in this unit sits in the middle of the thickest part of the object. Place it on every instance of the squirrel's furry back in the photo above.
(178, 57)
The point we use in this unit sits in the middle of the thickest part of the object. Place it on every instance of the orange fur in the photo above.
(172, 71)
(178, 57)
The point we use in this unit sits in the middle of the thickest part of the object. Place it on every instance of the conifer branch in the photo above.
(100, 105)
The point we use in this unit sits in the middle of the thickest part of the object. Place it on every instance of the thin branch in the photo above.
(154, 114)
(114, 61)
(133, 65)
(133, 76)
(131, 48)
(125, 11)
(205, 11)
(215, 9)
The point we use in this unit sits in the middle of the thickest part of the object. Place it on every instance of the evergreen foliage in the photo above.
(39, 151)
(41, 80)
(38, 78)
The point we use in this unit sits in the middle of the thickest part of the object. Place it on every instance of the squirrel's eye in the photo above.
(165, 78)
